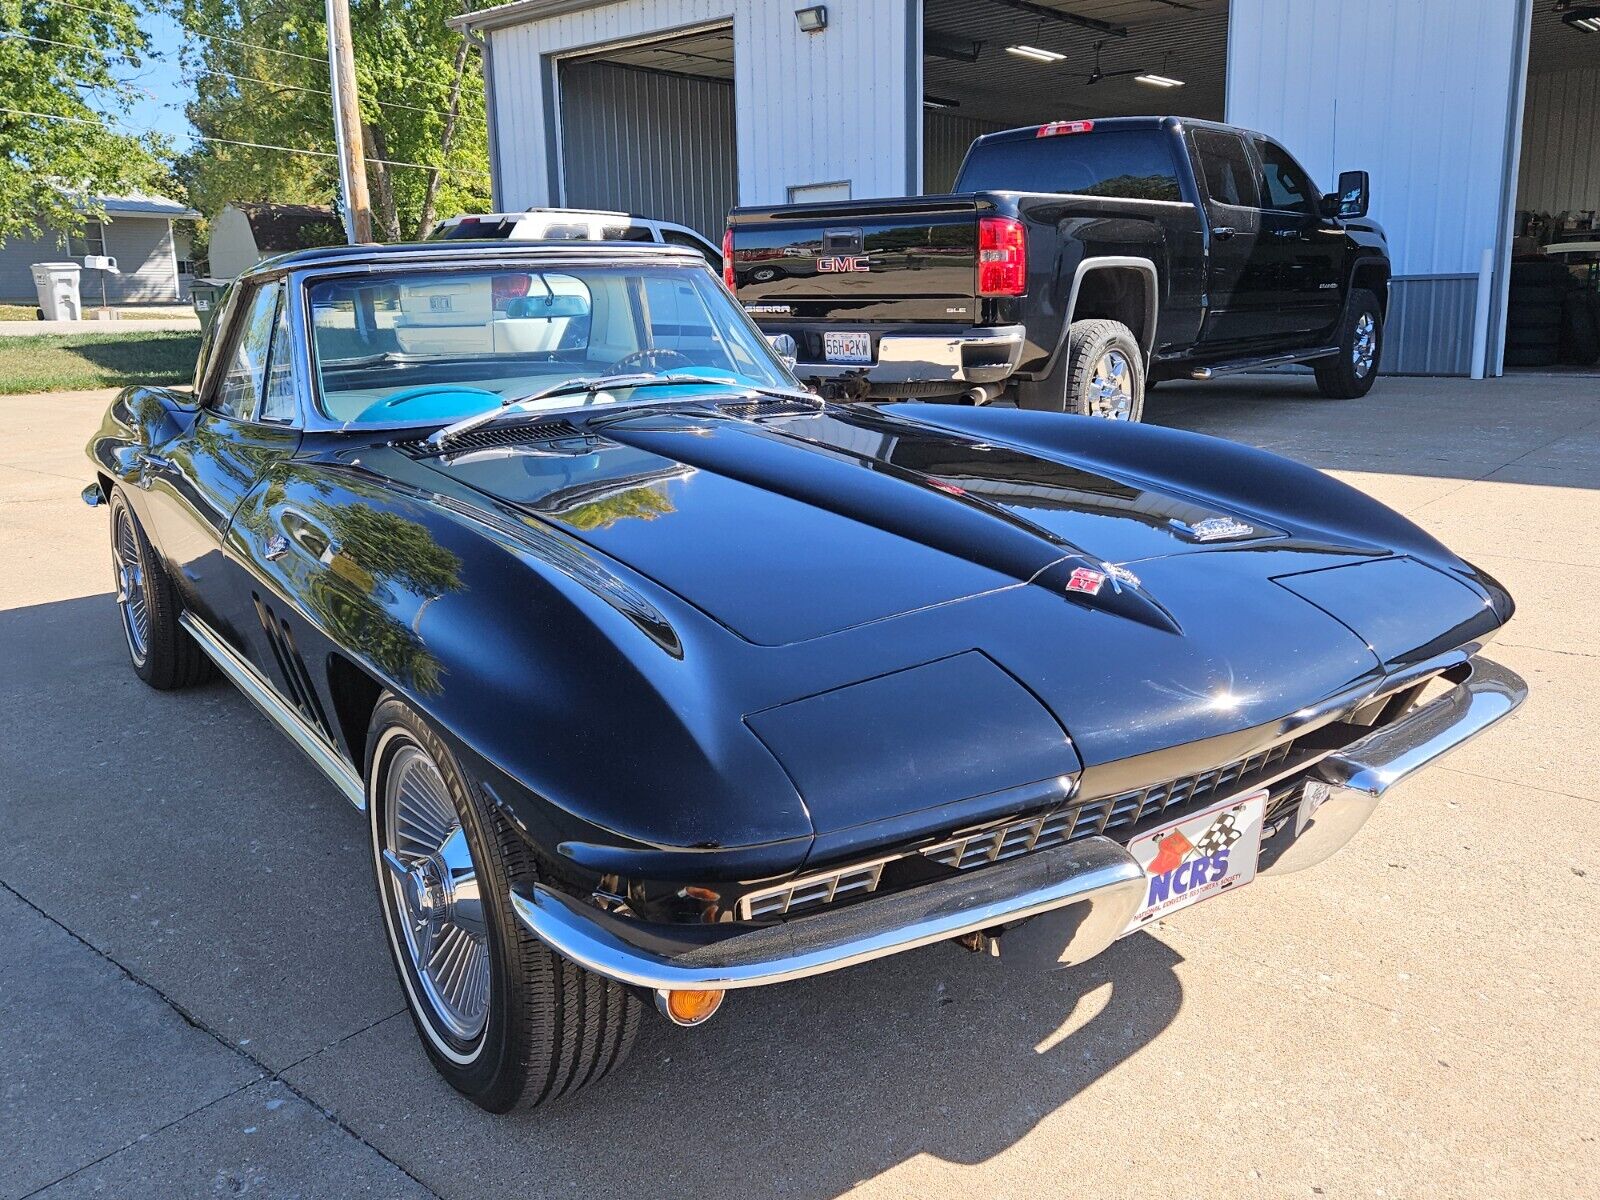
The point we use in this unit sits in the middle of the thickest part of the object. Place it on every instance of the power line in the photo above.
(222, 37)
(202, 137)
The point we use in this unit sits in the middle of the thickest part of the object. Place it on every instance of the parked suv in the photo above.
(1076, 262)
(574, 224)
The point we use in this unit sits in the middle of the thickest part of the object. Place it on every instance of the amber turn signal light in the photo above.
(688, 1008)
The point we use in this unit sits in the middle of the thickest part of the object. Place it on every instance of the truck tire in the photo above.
(1350, 373)
(1100, 374)
(505, 1019)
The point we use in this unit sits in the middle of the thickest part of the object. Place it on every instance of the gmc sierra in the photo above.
(1074, 262)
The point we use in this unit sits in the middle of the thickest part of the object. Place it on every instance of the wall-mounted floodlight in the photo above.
(813, 19)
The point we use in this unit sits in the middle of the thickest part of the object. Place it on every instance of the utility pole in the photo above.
(347, 125)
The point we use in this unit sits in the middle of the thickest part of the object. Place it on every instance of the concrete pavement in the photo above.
(195, 997)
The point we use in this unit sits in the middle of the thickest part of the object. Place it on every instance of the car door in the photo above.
(1300, 252)
(1234, 297)
(246, 421)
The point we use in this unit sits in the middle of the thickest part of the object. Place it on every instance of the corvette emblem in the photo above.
(1121, 575)
(1085, 580)
(1215, 529)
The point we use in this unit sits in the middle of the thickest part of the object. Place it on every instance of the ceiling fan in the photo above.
(1096, 75)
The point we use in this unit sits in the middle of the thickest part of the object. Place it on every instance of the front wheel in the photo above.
(161, 650)
(1100, 374)
(1352, 371)
(503, 1018)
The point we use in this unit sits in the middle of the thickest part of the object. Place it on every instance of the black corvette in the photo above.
(658, 677)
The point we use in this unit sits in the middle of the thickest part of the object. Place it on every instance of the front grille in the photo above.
(1118, 817)
(499, 435)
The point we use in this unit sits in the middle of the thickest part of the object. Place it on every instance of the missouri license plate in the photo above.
(1198, 857)
(847, 347)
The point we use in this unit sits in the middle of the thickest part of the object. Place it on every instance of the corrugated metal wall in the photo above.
(649, 142)
(945, 138)
(837, 105)
(1429, 326)
(1561, 142)
(1424, 95)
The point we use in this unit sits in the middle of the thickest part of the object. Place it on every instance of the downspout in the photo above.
(474, 38)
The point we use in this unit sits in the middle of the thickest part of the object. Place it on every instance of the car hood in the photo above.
(796, 527)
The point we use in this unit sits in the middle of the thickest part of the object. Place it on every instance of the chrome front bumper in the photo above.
(1094, 881)
(978, 356)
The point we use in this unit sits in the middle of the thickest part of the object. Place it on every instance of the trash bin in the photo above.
(57, 285)
(205, 295)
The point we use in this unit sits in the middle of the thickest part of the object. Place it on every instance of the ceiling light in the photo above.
(813, 19)
(1036, 54)
(1161, 81)
(931, 101)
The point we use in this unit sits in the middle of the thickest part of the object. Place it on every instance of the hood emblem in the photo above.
(1086, 580)
(1215, 529)
(1121, 575)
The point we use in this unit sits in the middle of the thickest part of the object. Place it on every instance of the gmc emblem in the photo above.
(836, 263)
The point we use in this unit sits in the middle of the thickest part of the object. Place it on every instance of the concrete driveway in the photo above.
(195, 997)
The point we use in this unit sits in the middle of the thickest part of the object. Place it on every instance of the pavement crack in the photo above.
(267, 1074)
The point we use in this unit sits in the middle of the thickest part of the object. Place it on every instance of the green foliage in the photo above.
(63, 62)
(406, 59)
(75, 361)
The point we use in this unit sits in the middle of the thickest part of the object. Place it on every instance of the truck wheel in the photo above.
(1351, 372)
(504, 1019)
(1101, 374)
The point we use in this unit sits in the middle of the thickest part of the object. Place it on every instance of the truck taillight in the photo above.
(1002, 257)
(1057, 128)
(727, 257)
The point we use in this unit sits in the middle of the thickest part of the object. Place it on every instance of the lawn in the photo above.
(75, 361)
(29, 312)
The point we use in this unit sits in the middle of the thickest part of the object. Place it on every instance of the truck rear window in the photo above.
(1131, 164)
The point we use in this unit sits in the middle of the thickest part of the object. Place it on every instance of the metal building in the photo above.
(682, 108)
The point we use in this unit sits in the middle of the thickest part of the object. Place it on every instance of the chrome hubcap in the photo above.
(1111, 387)
(128, 569)
(1364, 351)
(433, 895)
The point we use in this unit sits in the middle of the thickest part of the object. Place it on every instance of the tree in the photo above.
(265, 80)
(60, 98)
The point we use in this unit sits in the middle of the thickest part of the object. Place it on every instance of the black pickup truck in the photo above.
(1076, 263)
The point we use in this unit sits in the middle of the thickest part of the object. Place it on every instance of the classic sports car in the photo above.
(658, 677)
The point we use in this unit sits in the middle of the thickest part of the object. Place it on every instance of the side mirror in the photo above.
(784, 346)
(1353, 193)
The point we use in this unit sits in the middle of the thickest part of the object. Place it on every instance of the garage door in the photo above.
(656, 143)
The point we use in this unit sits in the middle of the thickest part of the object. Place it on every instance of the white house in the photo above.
(1475, 118)
(243, 234)
(152, 257)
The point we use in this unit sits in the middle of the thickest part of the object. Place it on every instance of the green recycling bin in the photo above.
(206, 296)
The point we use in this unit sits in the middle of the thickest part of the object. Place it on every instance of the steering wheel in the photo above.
(653, 358)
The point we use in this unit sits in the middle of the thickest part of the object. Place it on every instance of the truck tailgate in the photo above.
(904, 261)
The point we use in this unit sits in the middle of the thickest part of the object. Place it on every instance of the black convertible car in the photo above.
(658, 677)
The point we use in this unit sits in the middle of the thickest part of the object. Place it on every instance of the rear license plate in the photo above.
(847, 347)
(1198, 857)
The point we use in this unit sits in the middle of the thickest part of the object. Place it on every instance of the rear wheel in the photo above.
(1352, 371)
(1100, 374)
(161, 650)
(504, 1019)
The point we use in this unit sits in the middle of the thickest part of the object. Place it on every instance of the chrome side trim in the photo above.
(1356, 777)
(1095, 876)
(259, 692)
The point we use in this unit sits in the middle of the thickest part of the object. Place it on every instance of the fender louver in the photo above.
(502, 435)
(292, 668)
(751, 409)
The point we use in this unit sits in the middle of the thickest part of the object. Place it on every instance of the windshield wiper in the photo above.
(587, 386)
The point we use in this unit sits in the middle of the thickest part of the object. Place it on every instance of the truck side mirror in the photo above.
(1352, 195)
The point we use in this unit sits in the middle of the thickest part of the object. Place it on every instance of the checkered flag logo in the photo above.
(1221, 835)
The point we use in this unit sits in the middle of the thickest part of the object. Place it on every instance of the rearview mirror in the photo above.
(1352, 195)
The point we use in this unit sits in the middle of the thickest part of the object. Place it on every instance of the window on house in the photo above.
(91, 239)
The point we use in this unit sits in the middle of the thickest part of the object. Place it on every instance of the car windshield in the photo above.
(440, 345)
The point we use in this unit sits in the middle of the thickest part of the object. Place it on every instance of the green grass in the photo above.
(29, 312)
(18, 312)
(76, 361)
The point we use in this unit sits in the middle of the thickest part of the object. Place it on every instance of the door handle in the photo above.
(1223, 232)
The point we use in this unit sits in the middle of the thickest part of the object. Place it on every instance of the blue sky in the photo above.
(163, 90)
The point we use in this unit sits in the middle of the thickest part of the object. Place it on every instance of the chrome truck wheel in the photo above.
(1111, 387)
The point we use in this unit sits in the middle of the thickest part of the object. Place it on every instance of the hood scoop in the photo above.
(515, 434)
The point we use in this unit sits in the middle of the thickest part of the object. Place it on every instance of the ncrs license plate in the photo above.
(847, 347)
(1198, 857)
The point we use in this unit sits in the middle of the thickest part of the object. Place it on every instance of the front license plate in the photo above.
(847, 347)
(1199, 857)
